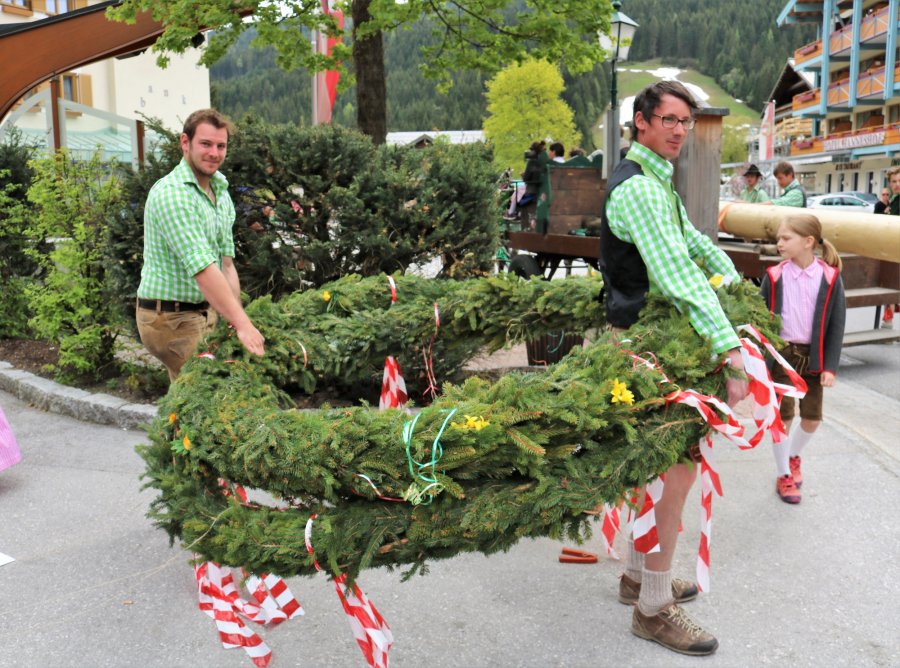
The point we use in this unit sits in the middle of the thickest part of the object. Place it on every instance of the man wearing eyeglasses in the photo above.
(648, 244)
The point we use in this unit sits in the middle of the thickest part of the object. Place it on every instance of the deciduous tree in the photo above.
(484, 35)
(524, 104)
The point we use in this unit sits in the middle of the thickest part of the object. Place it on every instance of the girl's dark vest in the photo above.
(625, 282)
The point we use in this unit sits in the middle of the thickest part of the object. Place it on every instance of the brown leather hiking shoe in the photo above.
(682, 590)
(674, 630)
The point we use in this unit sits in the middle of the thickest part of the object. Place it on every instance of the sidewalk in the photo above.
(95, 584)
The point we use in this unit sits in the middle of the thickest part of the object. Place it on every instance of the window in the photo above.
(57, 6)
(76, 88)
(22, 7)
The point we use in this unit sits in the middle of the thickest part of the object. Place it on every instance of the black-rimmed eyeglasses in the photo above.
(670, 122)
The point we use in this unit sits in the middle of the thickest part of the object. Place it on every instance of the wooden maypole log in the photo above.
(870, 235)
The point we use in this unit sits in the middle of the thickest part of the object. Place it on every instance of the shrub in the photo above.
(73, 306)
(17, 269)
(315, 204)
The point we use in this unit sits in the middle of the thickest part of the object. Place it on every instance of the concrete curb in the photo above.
(50, 396)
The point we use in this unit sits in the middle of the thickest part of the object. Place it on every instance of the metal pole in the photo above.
(613, 144)
(612, 158)
(314, 119)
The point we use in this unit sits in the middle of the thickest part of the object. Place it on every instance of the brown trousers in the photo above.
(172, 338)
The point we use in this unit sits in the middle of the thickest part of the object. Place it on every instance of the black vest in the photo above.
(625, 282)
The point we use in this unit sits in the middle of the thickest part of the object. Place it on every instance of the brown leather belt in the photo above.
(166, 306)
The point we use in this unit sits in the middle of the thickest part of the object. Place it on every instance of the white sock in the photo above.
(656, 592)
(782, 451)
(634, 562)
(799, 439)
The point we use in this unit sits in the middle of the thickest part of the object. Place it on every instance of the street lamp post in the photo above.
(616, 43)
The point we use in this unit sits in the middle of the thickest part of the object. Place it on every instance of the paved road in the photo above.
(94, 584)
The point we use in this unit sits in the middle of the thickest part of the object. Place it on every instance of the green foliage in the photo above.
(341, 333)
(485, 37)
(524, 104)
(314, 204)
(547, 446)
(246, 80)
(17, 270)
(734, 144)
(72, 305)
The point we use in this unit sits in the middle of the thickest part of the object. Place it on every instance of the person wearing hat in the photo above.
(753, 193)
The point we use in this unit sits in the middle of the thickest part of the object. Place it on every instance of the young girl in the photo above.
(808, 294)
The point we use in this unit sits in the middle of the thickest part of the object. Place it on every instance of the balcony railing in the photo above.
(874, 25)
(870, 27)
(839, 93)
(810, 98)
(808, 52)
(842, 142)
(870, 84)
(842, 39)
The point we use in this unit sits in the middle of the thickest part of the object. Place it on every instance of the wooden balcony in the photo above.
(842, 142)
(808, 52)
(808, 146)
(839, 93)
(872, 26)
(841, 40)
(806, 100)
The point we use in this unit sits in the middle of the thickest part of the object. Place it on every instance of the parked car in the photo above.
(846, 201)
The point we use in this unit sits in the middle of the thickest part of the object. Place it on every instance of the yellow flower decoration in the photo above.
(621, 394)
(716, 281)
(472, 422)
(186, 442)
(326, 296)
(172, 418)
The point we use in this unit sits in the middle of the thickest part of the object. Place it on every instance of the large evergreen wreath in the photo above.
(482, 466)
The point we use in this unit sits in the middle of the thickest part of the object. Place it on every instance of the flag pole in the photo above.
(315, 82)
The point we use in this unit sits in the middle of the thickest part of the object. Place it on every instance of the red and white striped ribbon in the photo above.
(798, 389)
(609, 527)
(709, 483)
(393, 387)
(372, 633)
(429, 358)
(708, 406)
(765, 393)
(393, 289)
(218, 597)
(274, 597)
(272, 602)
(643, 530)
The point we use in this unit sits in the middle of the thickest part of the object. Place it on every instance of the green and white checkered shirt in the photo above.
(754, 196)
(184, 232)
(792, 195)
(646, 211)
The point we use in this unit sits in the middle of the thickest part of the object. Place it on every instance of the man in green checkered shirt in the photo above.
(189, 274)
(647, 244)
(792, 193)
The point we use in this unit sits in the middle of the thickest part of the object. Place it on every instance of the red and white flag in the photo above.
(767, 133)
(326, 82)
